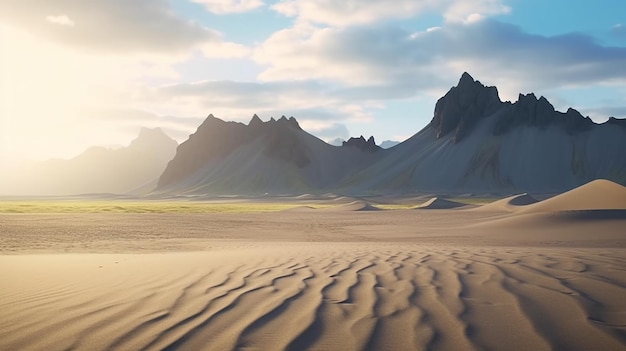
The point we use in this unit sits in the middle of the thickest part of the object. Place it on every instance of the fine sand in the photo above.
(516, 275)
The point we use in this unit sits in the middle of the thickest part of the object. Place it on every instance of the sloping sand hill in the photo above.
(509, 204)
(437, 203)
(596, 195)
(353, 206)
(339, 279)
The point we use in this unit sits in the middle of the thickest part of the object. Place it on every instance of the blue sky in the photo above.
(76, 74)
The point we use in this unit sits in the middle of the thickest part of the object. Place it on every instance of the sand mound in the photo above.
(349, 207)
(509, 204)
(596, 195)
(522, 200)
(354, 206)
(579, 228)
(437, 203)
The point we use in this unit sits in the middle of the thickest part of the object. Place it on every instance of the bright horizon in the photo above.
(75, 75)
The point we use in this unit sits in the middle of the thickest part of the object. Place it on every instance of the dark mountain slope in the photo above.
(272, 157)
(475, 143)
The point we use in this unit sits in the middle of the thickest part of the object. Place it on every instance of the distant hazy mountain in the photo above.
(387, 144)
(475, 143)
(97, 170)
(336, 142)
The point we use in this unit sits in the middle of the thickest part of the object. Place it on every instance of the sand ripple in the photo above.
(318, 297)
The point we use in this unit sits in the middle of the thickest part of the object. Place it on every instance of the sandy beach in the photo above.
(510, 276)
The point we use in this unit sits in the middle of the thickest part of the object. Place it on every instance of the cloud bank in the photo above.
(334, 65)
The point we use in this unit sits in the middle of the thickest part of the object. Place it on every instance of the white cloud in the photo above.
(230, 6)
(52, 73)
(318, 107)
(469, 11)
(619, 31)
(350, 12)
(351, 56)
(114, 27)
(62, 20)
(339, 64)
(347, 12)
(45, 87)
(370, 56)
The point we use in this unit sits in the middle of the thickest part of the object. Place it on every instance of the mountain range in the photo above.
(274, 157)
(475, 143)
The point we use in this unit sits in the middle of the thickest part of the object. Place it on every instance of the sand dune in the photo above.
(437, 203)
(317, 297)
(596, 195)
(353, 206)
(509, 204)
(596, 210)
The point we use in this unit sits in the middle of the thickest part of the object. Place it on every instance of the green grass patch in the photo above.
(474, 200)
(26, 206)
(156, 206)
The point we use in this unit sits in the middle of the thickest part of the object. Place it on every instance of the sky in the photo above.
(80, 73)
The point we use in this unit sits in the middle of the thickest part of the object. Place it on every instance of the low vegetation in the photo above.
(156, 206)
(27, 206)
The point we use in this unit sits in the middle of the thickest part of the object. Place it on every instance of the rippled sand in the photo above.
(296, 296)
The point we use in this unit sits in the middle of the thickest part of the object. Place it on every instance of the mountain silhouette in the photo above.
(475, 143)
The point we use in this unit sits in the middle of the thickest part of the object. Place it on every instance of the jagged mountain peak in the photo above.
(255, 121)
(216, 139)
(209, 122)
(616, 121)
(211, 118)
(530, 100)
(368, 145)
(526, 145)
(294, 123)
(291, 122)
(539, 113)
(466, 80)
(463, 106)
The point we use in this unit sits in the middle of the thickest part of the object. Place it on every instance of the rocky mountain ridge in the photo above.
(470, 101)
(475, 143)
(368, 145)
